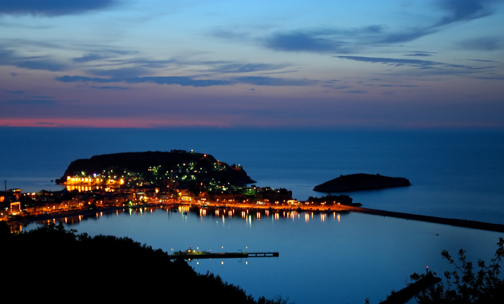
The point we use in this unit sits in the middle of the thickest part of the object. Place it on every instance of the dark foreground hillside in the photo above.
(59, 265)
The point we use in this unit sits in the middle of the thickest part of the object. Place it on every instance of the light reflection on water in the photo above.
(327, 257)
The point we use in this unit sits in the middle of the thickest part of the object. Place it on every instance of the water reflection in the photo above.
(221, 214)
(365, 250)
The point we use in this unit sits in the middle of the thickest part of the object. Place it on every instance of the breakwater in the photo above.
(341, 207)
(431, 219)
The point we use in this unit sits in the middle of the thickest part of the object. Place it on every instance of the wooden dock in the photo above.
(223, 255)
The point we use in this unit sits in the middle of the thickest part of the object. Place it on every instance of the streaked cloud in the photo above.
(424, 64)
(8, 57)
(245, 67)
(52, 8)
(483, 44)
(129, 72)
(178, 80)
(324, 40)
(491, 78)
(352, 40)
(30, 102)
(398, 85)
(89, 57)
(236, 62)
(109, 88)
(15, 92)
(419, 54)
(270, 81)
(356, 92)
(463, 10)
(193, 82)
(483, 60)
(305, 42)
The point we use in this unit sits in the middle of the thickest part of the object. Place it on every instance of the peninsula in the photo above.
(186, 167)
(361, 181)
(179, 180)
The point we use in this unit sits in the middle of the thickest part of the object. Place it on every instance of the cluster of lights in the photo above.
(80, 180)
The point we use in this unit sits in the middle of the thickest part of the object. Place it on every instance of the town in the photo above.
(131, 179)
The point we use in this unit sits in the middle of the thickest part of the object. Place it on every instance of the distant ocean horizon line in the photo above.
(449, 170)
(442, 129)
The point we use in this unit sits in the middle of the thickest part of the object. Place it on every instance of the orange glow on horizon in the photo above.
(127, 122)
(150, 123)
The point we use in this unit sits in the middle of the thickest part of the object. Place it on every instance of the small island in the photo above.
(361, 181)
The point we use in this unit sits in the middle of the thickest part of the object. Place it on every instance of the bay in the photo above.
(324, 257)
(454, 173)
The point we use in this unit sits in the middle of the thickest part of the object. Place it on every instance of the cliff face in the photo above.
(361, 181)
(160, 164)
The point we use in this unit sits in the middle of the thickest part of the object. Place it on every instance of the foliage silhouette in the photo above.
(465, 284)
(58, 264)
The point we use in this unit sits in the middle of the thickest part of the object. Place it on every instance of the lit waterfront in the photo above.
(360, 256)
(248, 212)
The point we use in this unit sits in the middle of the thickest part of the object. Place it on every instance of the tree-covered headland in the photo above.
(60, 265)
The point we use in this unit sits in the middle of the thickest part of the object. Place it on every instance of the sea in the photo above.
(324, 258)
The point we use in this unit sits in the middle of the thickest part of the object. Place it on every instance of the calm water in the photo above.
(453, 174)
(324, 258)
(457, 174)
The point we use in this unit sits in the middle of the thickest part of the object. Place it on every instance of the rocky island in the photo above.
(361, 181)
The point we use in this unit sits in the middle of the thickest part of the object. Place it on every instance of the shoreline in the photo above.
(334, 208)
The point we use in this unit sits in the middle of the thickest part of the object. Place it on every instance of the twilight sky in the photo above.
(238, 63)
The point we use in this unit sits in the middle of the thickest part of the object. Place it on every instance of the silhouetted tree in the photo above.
(465, 284)
(112, 269)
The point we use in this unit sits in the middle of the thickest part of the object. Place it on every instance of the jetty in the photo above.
(431, 219)
(193, 254)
